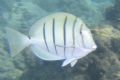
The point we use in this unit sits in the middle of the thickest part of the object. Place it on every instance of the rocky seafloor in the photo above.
(102, 64)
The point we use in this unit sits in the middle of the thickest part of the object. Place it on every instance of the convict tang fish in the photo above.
(59, 36)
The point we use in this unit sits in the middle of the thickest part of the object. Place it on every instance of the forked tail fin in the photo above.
(16, 40)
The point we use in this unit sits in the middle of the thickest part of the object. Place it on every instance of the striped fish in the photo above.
(59, 36)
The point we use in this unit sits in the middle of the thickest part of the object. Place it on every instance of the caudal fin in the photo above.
(16, 40)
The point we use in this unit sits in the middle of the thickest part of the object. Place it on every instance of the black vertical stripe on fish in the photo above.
(82, 35)
(44, 37)
(64, 34)
(29, 36)
(53, 31)
(73, 33)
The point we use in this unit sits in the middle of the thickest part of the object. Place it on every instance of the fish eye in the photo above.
(81, 29)
(80, 32)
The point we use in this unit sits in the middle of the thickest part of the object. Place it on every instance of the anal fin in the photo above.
(66, 62)
(73, 63)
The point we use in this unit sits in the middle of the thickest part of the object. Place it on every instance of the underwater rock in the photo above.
(107, 56)
(24, 14)
(107, 33)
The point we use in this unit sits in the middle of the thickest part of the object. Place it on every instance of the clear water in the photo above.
(102, 64)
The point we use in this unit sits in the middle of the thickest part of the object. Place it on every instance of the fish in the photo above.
(58, 36)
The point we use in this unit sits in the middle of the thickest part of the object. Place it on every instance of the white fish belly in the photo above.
(69, 53)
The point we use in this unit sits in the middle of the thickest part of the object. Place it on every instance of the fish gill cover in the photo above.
(103, 64)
